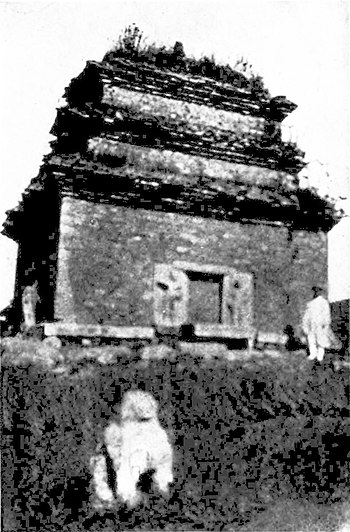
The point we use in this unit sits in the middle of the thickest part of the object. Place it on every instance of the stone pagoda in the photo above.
(169, 201)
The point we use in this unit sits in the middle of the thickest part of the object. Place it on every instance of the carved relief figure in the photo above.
(172, 293)
(170, 285)
(231, 302)
(30, 299)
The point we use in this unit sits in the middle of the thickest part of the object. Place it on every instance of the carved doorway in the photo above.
(216, 300)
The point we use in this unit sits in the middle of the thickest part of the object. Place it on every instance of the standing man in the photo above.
(316, 325)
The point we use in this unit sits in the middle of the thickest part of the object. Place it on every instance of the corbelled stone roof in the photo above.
(133, 133)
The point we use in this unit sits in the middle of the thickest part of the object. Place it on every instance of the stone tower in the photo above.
(169, 199)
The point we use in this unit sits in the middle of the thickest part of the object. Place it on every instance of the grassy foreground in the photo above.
(260, 443)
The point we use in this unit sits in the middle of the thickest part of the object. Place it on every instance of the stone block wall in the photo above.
(107, 254)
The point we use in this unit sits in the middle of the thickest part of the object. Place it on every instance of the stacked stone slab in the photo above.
(136, 136)
(175, 136)
(180, 136)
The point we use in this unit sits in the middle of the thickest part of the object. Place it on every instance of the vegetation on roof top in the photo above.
(132, 45)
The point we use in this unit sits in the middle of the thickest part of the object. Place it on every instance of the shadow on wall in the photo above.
(340, 323)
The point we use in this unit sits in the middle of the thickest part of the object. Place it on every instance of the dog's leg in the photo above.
(103, 494)
(129, 472)
(163, 475)
(113, 442)
(126, 487)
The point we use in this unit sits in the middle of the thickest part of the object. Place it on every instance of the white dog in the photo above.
(136, 445)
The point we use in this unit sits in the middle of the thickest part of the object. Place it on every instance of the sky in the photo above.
(300, 47)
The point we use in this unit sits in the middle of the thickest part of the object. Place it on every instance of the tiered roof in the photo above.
(151, 130)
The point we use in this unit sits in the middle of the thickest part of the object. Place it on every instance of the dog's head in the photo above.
(138, 405)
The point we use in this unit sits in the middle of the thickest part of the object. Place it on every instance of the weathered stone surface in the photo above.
(205, 350)
(146, 78)
(160, 351)
(144, 105)
(52, 342)
(88, 331)
(107, 256)
(179, 167)
(23, 352)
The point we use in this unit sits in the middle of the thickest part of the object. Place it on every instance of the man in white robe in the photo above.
(316, 325)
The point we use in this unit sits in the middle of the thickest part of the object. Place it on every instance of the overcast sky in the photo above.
(301, 48)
